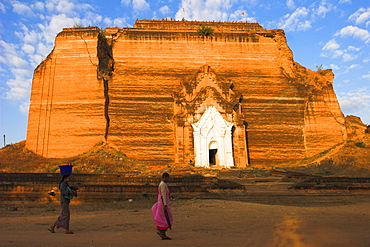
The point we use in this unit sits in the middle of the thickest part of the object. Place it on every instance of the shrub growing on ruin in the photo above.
(360, 144)
(204, 31)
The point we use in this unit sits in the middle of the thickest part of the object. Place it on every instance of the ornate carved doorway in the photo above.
(208, 122)
(212, 140)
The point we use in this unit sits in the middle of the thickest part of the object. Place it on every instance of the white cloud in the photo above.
(126, 2)
(360, 16)
(349, 57)
(19, 88)
(24, 107)
(16, 92)
(64, 6)
(20, 73)
(11, 57)
(331, 49)
(356, 102)
(353, 48)
(241, 15)
(31, 37)
(140, 5)
(39, 6)
(107, 21)
(338, 53)
(356, 32)
(303, 17)
(321, 11)
(43, 49)
(304, 25)
(36, 39)
(88, 19)
(344, 1)
(351, 67)
(22, 9)
(333, 66)
(331, 45)
(8, 48)
(120, 22)
(55, 25)
(68, 7)
(204, 10)
(294, 21)
(366, 76)
(164, 10)
(2, 8)
(29, 49)
(37, 59)
(50, 6)
(290, 4)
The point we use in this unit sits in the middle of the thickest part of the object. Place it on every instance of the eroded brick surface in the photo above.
(123, 87)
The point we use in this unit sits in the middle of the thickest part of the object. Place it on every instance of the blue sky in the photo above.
(332, 33)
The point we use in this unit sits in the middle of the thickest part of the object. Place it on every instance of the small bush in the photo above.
(191, 163)
(101, 169)
(360, 144)
(205, 31)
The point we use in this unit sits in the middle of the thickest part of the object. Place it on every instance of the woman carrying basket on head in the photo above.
(66, 194)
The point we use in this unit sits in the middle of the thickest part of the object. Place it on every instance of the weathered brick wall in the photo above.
(67, 101)
(149, 67)
(24, 188)
(290, 112)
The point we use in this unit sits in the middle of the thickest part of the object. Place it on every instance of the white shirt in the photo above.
(162, 187)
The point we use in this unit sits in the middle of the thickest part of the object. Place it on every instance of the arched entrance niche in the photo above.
(212, 154)
(212, 140)
(206, 109)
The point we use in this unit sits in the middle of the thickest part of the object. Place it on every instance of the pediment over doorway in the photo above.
(206, 89)
(212, 120)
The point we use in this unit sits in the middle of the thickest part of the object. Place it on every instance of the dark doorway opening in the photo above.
(212, 157)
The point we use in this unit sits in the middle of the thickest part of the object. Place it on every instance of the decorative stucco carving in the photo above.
(213, 132)
(207, 113)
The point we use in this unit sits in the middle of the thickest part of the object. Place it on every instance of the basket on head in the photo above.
(66, 169)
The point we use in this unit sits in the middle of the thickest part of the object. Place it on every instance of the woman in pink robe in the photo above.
(161, 210)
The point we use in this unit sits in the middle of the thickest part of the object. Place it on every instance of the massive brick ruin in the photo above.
(165, 95)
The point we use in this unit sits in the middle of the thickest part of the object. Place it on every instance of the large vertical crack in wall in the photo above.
(104, 73)
(106, 109)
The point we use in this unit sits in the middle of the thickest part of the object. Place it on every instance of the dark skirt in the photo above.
(63, 219)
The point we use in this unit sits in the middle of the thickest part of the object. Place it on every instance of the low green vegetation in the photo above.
(204, 31)
(360, 144)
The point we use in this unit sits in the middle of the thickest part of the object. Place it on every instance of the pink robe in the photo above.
(158, 211)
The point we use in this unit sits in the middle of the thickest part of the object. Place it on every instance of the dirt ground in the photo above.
(196, 223)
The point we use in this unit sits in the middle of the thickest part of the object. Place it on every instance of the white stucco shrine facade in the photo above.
(213, 140)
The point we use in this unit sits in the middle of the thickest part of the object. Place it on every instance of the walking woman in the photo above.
(66, 194)
(161, 210)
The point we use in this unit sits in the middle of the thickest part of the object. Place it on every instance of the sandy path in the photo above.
(197, 223)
